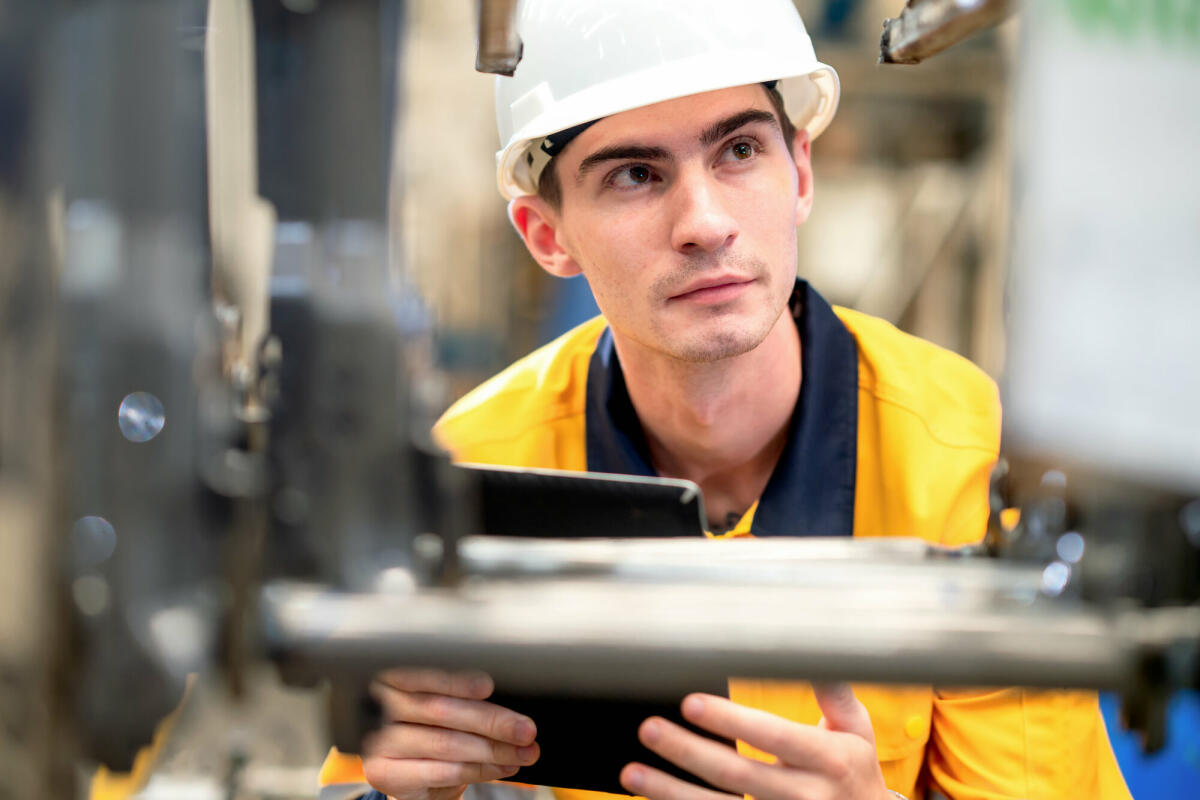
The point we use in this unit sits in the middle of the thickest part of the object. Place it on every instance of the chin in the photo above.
(716, 346)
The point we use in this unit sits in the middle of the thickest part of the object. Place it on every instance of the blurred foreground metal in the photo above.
(499, 44)
(927, 27)
(623, 617)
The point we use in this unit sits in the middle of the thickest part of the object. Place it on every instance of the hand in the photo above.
(439, 735)
(834, 759)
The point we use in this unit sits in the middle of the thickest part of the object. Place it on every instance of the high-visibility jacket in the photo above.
(892, 436)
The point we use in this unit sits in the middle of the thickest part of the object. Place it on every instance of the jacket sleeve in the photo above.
(1021, 743)
(342, 777)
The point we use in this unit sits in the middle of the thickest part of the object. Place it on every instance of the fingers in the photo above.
(442, 735)
(415, 777)
(406, 740)
(842, 710)
(810, 761)
(469, 685)
(638, 779)
(795, 744)
(720, 765)
(455, 713)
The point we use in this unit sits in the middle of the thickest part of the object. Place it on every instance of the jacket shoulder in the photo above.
(541, 390)
(955, 400)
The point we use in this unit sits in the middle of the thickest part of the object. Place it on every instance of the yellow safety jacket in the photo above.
(892, 436)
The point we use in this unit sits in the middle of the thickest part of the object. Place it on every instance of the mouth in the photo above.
(718, 289)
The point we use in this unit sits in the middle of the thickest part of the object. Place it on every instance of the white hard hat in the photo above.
(587, 59)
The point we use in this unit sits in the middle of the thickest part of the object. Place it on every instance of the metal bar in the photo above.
(927, 27)
(798, 561)
(124, 97)
(242, 224)
(630, 639)
(499, 43)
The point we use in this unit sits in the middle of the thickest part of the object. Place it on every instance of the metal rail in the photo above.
(582, 637)
(649, 618)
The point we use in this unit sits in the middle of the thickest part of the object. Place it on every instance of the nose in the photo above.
(702, 219)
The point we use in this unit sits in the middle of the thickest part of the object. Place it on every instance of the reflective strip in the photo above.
(478, 791)
(499, 790)
(343, 791)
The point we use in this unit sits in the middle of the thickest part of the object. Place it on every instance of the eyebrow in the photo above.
(722, 128)
(709, 136)
(620, 153)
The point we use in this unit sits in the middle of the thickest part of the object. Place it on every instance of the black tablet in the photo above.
(586, 740)
(585, 505)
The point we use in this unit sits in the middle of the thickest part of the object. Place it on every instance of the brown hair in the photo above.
(550, 189)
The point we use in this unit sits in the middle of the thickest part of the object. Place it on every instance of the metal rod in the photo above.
(630, 639)
(927, 27)
(499, 43)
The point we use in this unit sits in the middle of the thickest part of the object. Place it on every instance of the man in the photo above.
(646, 146)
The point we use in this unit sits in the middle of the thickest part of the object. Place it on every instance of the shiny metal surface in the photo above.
(651, 616)
(241, 223)
(812, 562)
(608, 637)
(499, 43)
(927, 27)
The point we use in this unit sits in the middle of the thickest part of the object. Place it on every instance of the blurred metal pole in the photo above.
(927, 27)
(499, 43)
(324, 106)
(600, 636)
(139, 392)
(241, 223)
(344, 483)
(36, 737)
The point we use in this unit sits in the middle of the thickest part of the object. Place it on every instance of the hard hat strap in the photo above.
(538, 155)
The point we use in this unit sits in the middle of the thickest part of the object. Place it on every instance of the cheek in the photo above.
(772, 218)
(766, 199)
(612, 256)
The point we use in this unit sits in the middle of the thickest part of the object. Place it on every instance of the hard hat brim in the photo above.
(811, 91)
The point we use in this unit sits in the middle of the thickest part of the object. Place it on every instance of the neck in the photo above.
(721, 424)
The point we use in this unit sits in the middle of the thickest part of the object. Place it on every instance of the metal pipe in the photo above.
(614, 638)
(499, 43)
(927, 27)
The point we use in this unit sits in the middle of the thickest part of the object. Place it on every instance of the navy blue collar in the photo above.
(811, 491)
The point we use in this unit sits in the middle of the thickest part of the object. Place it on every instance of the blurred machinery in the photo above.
(215, 403)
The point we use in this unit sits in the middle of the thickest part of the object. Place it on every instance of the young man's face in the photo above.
(682, 216)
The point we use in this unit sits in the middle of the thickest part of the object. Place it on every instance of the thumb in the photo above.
(842, 711)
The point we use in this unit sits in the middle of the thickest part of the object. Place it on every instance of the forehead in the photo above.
(678, 121)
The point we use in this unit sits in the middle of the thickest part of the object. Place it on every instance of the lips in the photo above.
(714, 287)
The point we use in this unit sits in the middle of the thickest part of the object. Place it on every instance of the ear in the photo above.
(802, 155)
(537, 222)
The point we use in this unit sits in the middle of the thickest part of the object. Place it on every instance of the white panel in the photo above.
(1104, 326)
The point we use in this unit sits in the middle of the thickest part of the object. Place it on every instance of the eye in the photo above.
(630, 176)
(740, 150)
